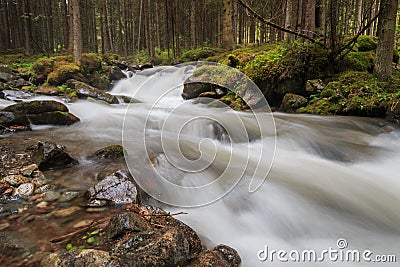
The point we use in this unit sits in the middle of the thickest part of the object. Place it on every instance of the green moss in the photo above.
(359, 61)
(62, 74)
(90, 63)
(320, 107)
(366, 43)
(43, 66)
(196, 54)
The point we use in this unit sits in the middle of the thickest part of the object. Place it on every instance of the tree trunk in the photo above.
(193, 24)
(386, 31)
(76, 18)
(25, 13)
(309, 23)
(227, 25)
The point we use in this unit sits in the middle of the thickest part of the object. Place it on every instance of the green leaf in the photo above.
(81, 247)
(90, 240)
(95, 232)
(69, 246)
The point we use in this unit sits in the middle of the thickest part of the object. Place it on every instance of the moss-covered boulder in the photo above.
(40, 112)
(36, 107)
(63, 73)
(84, 91)
(90, 63)
(53, 118)
(292, 102)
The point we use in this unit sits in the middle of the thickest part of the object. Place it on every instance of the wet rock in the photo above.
(51, 196)
(393, 113)
(25, 190)
(18, 83)
(193, 88)
(124, 223)
(84, 90)
(42, 204)
(65, 212)
(126, 99)
(116, 188)
(50, 156)
(53, 118)
(222, 256)
(14, 180)
(167, 247)
(40, 180)
(146, 66)
(313, 86)
(68, 196)
(109, 152)
(28, 171)
(12, 95)
(80, 258)
(116, 74)
(37, 107)
(4, 226)
(8, 119)
(48, 90)
(213, 95)
(292, 102)
(6, 77)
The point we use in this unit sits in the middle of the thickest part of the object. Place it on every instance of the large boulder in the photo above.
(221, 255)
(164, 242)
(42, 112)
(116, 188)
(116, 74)
(36, 107)
(53, 118)
(84, 90)
(49, 156)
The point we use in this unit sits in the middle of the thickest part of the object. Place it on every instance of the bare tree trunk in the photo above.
(309, 23)
(65, 23)
(386, 31)
(193, 24)
(77, 31)
(27, 37)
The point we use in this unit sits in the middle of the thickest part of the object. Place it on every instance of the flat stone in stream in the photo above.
(49, 156)
(37, 112)
(14, 180)
(84, 91)
(116, 188)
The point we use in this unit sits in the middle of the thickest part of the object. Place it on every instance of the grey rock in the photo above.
(116, 188)
(292, 102)
(124, 223)
(50, 156)
(12, 95)
(25, 190)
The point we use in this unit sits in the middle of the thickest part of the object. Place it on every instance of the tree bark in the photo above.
(386, 31)
(76, 18)
(227, 25)
(27, 34)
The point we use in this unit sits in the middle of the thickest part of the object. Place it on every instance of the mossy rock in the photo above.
(53, 118)
(62, 74)
(320, 107)
(37, 107)
(366, 43)
(84, 91)
(90, 63)
(359, 61)
(292, 102)
(43, 66)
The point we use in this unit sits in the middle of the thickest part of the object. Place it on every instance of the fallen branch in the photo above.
(83, 229)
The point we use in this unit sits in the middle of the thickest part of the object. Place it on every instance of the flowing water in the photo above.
(331, 178)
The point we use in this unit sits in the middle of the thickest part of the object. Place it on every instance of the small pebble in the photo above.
(14, 180)
(25, 189)
(68, 196)
(82, 223)
(42, 204)
(4, 226)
